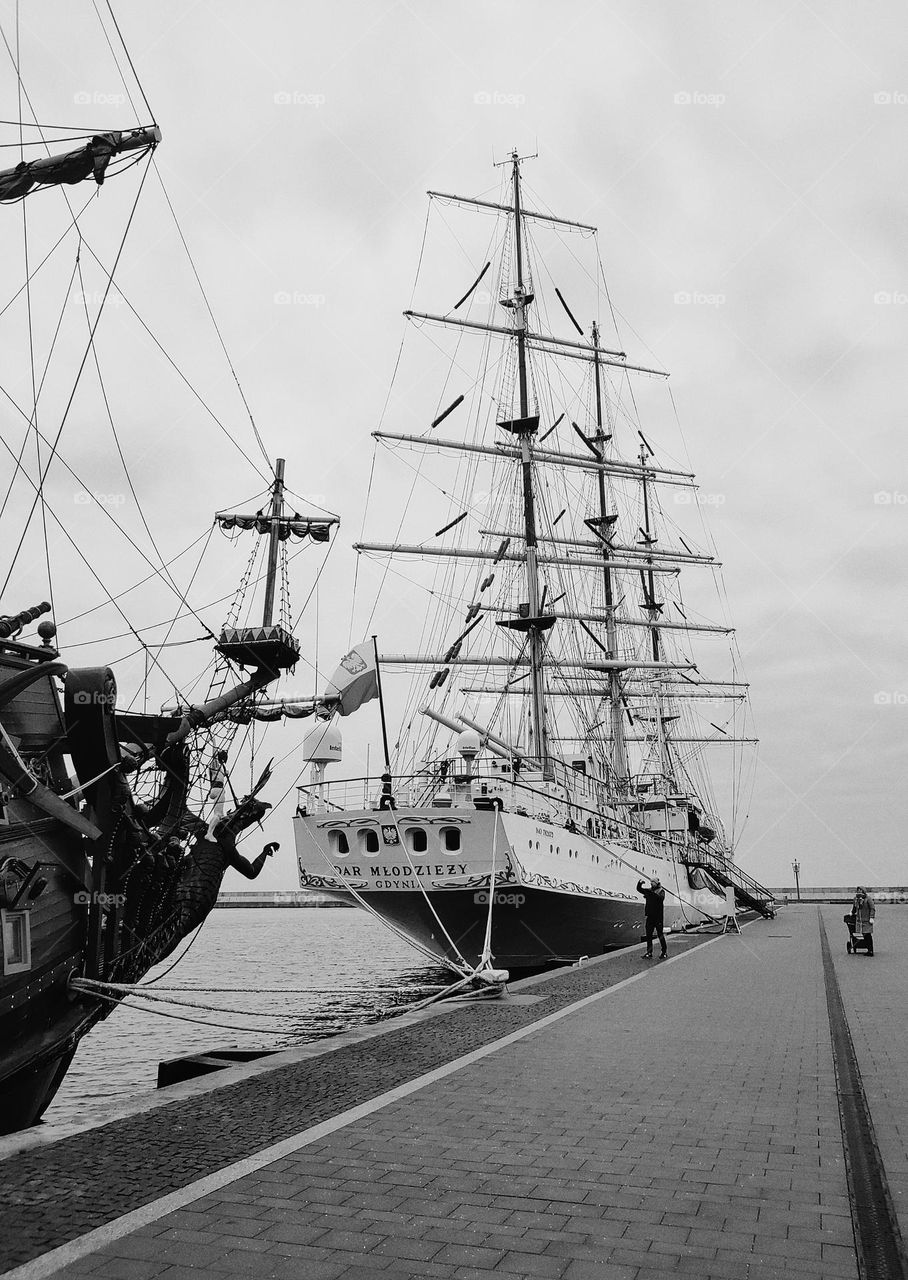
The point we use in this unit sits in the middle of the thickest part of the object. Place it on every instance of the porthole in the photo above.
(369, 840)
(417, 839)
(338, 843)
(451, 837)
(15, 934)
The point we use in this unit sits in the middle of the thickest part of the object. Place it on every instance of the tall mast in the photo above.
(524, 429)
(653, 609)
(274, 534)
(269, 646)
(619, 750)
(652, 606)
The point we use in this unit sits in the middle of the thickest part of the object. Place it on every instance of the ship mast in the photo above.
(653, 608)
(606, 520)
(524, 428)
(274, 534)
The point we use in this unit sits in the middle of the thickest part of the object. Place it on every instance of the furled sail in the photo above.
(90, 161)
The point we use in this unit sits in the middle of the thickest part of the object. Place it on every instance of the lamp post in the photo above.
(796, 867)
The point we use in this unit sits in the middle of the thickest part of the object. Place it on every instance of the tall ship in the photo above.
(130, 696)
(551, 748)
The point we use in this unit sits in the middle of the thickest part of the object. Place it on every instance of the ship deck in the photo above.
(625, 1120)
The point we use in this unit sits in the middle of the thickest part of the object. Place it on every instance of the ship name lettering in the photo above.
(347, 871)
(397, 884)
(544, 831)
(418, 869)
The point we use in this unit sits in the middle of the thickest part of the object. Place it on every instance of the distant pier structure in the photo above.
(841, 893)
(282, 898)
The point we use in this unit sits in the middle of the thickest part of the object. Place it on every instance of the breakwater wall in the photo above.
(281, 898)
(842, 893)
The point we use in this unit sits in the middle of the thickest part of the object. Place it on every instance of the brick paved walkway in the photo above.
(49, 1195)
(684, 1123)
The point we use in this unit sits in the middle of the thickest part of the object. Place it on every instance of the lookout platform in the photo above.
(625, 1120)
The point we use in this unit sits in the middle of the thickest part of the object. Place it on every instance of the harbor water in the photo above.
(342, 969)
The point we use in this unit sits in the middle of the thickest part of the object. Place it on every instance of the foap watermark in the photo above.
(84, 899)
(703, 900)
(82, 497)
(694, 498)
(96, 298)
(93, 698)
(885, 298)
(499, 899)
(693, 298)
(95, 98)
(886, 699)
(496, 98)
(297, 98)
(296, 299)
(697, 98)
(890, 498)
(890, 98)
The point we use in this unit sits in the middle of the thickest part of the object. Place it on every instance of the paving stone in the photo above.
(130, 1269)
(469, 1255)
(397, 1247)
(526, 1265)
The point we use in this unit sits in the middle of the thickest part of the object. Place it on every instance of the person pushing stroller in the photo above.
(654, 897)
(860, 922)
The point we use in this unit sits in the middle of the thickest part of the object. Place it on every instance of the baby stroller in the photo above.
(858, 941)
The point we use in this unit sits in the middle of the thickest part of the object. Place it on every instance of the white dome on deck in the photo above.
(323, 743)
(469, 744)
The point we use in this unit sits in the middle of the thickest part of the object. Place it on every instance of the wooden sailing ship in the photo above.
(548, 758)
(115, 831)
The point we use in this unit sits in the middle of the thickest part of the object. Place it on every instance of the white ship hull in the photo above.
(559, 894)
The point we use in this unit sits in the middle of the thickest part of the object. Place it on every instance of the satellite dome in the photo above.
(469, 744)
(322, 744)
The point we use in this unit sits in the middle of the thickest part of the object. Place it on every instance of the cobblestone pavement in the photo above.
(875, 994)
(683, 1124)
(53, 1194)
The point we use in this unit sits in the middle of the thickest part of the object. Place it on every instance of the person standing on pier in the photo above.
(654, 898)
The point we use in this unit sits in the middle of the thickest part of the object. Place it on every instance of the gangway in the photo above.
(747, 889)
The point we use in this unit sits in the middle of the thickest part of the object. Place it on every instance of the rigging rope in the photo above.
(214, 322)
(128, 59)
(69, 403)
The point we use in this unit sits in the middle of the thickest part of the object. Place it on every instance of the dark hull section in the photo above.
(530, 927)
(26, 1095)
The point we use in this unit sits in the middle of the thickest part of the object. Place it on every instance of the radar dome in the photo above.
(469, 744)
(322, 744)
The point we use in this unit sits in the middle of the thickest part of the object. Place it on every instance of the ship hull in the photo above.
(559, 895)
(531, 928)
(41, 1021)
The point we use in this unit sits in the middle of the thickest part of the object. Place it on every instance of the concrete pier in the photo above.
(627, 1120)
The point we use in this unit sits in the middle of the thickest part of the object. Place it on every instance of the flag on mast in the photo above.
(354, 682)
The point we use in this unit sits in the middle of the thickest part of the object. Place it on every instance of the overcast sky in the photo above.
(745, 166)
